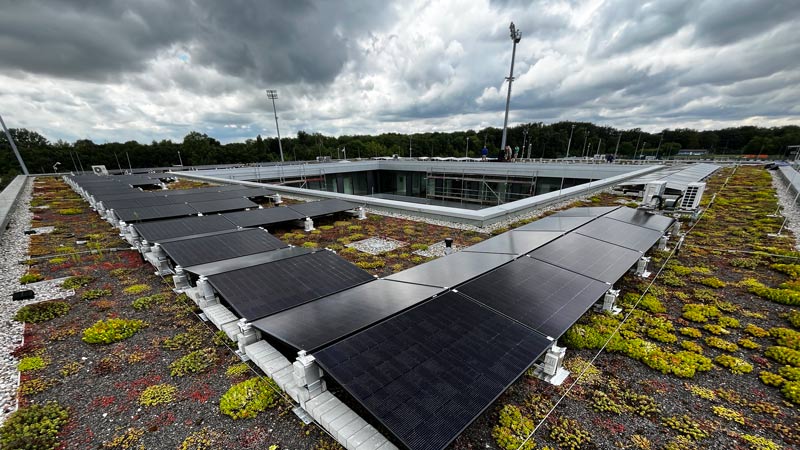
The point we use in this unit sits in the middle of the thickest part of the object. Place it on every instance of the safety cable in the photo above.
(624, 320)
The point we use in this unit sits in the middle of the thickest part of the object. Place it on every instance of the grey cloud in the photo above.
(727, 22)
(86, 40)
(628, 25)
(278, 41)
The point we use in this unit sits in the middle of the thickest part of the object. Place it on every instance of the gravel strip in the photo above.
(436, 250)
(789, 209)
(14, 248)
(376, 246)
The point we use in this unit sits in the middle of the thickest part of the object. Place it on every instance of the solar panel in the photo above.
(318, 323)
(452, 270)
(589, 211)
(240, 262)
(130, 194)
(259, 291)
(514, 242)
(555, 223)
(201, 250)
(542, 296)
(131, 215)
(188, 226)
(228, 204)
(619, 233)
(263, 217)
(590, 257)
(642, 218)
(428, 373)
(323, 207)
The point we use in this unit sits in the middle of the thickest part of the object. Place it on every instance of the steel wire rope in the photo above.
(624, 319)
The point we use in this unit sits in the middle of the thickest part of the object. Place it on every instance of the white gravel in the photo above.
(789, 209)
(14, 248)
(437, 250)
(376, 246)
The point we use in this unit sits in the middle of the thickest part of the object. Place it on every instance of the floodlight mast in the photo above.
(516, 36)
(14, 147)
(273, 94)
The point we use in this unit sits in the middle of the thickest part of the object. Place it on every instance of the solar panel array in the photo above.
(168, 229)
(428, 349)
(677, 178)
(216, 247)
(428, 372)
(265, 289)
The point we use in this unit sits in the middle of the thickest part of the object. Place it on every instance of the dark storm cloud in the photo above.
(283, 41)
(727, 22)
(87, 40)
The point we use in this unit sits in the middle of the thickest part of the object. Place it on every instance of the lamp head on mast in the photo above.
(516, 35)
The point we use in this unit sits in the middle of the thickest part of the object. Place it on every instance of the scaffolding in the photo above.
(479, 189)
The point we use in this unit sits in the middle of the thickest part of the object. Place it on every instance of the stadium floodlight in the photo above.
(273, 94)
(516, 36)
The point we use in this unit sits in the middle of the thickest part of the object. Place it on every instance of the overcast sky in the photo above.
(157, 69)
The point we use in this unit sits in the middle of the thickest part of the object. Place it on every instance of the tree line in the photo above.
(536, 140)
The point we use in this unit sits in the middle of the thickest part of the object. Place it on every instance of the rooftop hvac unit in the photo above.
(652, 190)
(691, 197)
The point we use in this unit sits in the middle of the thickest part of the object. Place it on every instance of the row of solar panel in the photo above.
(677, 178)
(162, 230)
(405, 346)
(428, 372)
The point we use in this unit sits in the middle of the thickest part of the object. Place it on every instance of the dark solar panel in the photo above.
(240, 262)
(591, 257)
(515, 242)
(188, 226)
(621, 233)
(323, 207)
(642, 218)
(228, 204)
(131, 215)
(339, 315)
(258, 291)
(589, 211)
(452, 270)
(251, 192)
(547, 298)
(201, 250)
(121, 195)
(428, 373)
(263, 217)
(555, 223)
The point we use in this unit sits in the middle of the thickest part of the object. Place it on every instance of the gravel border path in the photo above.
(788, 209)
(13, 248)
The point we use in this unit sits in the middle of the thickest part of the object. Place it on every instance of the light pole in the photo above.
(466, 152)
(525, 138)
(569, 143)
(619, 137)
(661, 138)
(14, 147)
(585, 141)
(180, 161)
(516, 36)
(55, 167)
(273, 94)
